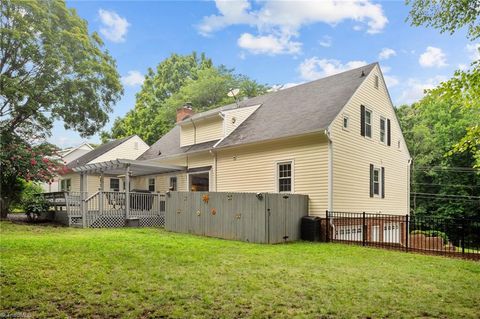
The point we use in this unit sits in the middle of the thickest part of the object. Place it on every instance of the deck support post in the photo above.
(82, 200)
(100, 195)
(127, 192)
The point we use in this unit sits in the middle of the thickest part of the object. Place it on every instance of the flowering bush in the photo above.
(19, 161)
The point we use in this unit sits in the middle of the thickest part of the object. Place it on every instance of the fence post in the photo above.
(407, 232)
(463, 235)
(327, 226)
(364, 228)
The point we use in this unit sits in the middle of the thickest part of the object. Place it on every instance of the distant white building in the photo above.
(67, 155)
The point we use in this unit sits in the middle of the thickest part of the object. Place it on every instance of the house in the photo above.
(66, 155)
(129, 147)
(336, 139)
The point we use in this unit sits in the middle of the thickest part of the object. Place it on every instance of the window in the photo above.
(66, 185)
(151, 184)
(376, 181)
(199, 182)
(115, 184)
(284, 177)
(173, 183)
(376, 81)
(382, 130)
(345, 122)
(368, 123)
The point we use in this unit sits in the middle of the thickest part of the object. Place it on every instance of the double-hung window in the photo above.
(382, 130)
(368, 123)
(65, 185)
(376, 181)
(173, 183)
(284, 171)
(115, 184)
(151, 184)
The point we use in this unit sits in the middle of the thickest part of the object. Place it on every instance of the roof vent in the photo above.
(363, 74)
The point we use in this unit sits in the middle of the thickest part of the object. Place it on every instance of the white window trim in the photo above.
(379, 169)
(277, 184)
(346, 116)
(380, 130)
(371, 123)
(154, 184)
(199, 172)
(110, 184)
(169, 177)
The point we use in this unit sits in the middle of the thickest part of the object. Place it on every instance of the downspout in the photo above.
(409, 176)
(330, 170)
(214, 154)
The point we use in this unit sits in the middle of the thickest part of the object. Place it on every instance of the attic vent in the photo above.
(159, 152)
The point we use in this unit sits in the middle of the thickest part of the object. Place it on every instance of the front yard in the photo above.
(141, 273)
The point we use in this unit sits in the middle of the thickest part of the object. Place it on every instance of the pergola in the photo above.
(117, 167)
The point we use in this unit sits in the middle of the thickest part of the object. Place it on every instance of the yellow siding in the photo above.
(204, 130)
(240, 115)
(130, 149)
(253, 168)
(353, 153)
(190, 161)
(93, 182)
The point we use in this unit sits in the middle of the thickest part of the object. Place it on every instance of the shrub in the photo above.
(432, 233)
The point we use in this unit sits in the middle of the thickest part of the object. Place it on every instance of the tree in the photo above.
(462, 90)
(20, 162)
(446, 15)
(51, 68)
(431, 127)
(195, 80)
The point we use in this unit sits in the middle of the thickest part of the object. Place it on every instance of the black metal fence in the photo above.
(433, 235)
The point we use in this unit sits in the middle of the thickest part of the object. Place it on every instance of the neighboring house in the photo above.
(66, 155)
(336, 140)
(126, 148)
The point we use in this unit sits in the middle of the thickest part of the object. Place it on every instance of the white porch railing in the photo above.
(109, 209)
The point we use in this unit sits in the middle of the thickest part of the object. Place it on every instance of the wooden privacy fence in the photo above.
(258, 218)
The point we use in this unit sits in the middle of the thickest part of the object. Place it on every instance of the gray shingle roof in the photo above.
(96, 152)
(169, 145)
(301, 109)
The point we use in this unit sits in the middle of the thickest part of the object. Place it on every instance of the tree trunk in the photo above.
(4, 208)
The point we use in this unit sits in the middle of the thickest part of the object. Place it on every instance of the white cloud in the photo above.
(284, 19)
(391, 80)
(326, 41)
(114, 26)
(473, 51)
(315, 68)
(268, 44)
(133, 78)
(415, 89)
(433, 57)
(386, 53)
(278, 87)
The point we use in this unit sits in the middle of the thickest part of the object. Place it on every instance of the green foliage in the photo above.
(432, 233)
(21, 161)
(179, 79)
(51, 68)
(431, 128)
(446, 15)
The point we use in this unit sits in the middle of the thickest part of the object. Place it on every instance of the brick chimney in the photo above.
(184, 112)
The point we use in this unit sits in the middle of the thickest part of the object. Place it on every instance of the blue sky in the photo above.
(273, 42)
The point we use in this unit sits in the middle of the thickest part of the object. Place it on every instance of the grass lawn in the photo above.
(141, 273)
